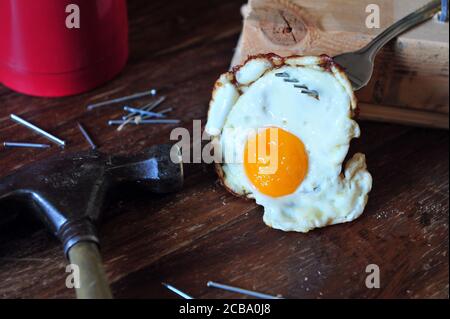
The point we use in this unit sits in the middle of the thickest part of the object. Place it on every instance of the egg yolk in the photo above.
(275, 161)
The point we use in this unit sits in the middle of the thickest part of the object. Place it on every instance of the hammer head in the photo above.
(67, 192)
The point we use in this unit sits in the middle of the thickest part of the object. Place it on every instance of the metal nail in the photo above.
(162, 112)
(140, 118)
(160, 121)
(148, 107)
(311, 93)
(135, 96)
(165, 111)
(154, 105)
(282, 75)
(24, 145)
(241, 291)
(38, 130)
(86, 136)
(142, 112)
(177, 291)
(125, 122)
(306, 90)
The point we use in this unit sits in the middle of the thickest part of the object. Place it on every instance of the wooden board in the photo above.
(204, 233)
(411, 77)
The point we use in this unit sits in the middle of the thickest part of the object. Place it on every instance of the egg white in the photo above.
(254, 97)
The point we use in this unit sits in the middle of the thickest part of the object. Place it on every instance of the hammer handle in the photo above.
(93, 283)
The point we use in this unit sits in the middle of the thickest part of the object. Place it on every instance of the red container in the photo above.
(41, 56)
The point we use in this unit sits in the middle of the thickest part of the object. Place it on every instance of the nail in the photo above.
(311, 93)
(135, 96)
(120, 122)
(148, 107)
(282, 75)
(307, 91)
(162, 112)
(177, 291)
(24, 145)
(38, 130)
(125, 122)
(142, 112)
(165, 111)
(241, 291)
(86, 136)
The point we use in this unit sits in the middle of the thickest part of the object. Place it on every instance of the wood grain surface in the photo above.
(204, 233)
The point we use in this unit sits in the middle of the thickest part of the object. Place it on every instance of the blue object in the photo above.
(443, 16)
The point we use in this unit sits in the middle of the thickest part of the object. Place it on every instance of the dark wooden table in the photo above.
(203, 233)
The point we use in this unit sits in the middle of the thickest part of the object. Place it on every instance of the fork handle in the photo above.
(421, 15)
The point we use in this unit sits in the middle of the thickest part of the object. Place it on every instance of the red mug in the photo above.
(55, 48)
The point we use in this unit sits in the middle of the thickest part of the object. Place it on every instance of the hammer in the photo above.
(67, 193)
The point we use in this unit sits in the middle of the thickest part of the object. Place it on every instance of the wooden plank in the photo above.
(403, 116)
(411, 73)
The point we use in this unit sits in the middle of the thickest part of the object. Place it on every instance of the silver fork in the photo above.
(359, 65)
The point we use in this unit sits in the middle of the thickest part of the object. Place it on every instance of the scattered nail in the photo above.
(120, 122)
(241, 291)
(125, 122)
(38, 130)
(24, 145)
(165, 111)
(142, 112)
(177, 291)
(148, 107)
(86, 136)
(135, 96)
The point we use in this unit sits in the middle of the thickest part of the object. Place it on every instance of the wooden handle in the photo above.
(93, 282)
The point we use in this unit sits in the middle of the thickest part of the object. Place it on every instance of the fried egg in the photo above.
(284, 127)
